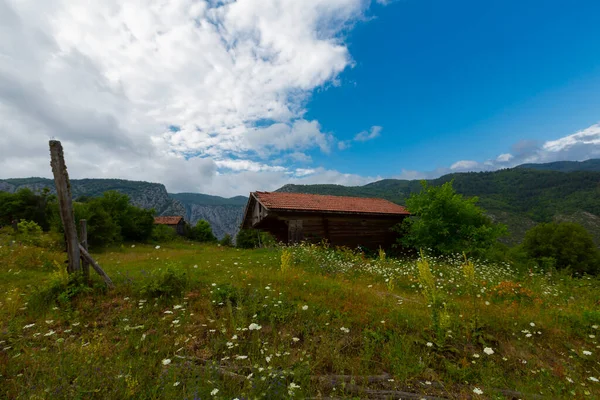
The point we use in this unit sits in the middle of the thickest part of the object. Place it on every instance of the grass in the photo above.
(192, 321)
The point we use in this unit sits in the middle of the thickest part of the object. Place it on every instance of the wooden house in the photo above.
(342, 221)
(175, 222)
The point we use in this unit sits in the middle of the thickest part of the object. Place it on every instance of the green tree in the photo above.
(445, 222)
(563, 245)
(202, 232)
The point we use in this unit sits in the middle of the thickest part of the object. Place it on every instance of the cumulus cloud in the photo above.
(179, 92)
(363, 136)
(579, 146)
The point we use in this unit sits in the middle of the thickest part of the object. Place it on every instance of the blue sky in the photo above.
(458, 80)
(231, 96)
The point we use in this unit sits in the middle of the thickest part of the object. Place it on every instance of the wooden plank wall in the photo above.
(349, 230)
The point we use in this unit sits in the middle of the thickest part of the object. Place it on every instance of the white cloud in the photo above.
(110, 78)
(504, 157)
(464, 165)
(364, 136)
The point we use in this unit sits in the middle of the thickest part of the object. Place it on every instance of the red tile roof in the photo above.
(167, 220)
(317, 202)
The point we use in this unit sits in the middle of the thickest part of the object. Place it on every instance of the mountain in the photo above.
(518, 197)
(223, 214)
(566, 166)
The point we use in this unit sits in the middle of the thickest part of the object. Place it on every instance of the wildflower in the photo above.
(177, 307)
(176, 383)
(241, 357)
(50, 333)
(195, 265)
(587, 353)
(305, 307)
(157, 247)
(429, 344)
(488, 351)
(528, 335)
(214, 392)
(28, 326)
(168, 312)
(166, 361)
(175, 321)
(477, 391)
(295, 339)
(254, 327)
(476, 355)
(49, 321)
(345, 330)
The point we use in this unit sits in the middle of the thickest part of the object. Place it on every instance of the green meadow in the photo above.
(199, 321)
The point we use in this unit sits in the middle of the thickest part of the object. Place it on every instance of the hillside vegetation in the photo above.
(517, 197)
(193, 321)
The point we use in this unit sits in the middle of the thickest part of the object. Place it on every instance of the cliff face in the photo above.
(224, 219)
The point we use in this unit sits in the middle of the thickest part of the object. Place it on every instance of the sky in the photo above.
(226, 97)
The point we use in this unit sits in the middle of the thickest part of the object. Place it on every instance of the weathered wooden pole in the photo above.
(96, 267)
(85, 266)
(65, 204)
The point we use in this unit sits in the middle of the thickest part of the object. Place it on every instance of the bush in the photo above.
(202, 232)
(563, 245)
(163, 233)
(29, 232)
(165, 283)
(252, 238)
(444, 222)
(226, 241)
(61, 290)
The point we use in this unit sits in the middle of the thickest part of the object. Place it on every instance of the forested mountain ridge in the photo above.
(518, 197)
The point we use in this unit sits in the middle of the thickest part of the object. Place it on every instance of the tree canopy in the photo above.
(445, 222)
(563, 245)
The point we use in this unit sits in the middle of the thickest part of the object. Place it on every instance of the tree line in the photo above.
(111, 218)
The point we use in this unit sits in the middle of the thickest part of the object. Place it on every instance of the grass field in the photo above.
(190, 321)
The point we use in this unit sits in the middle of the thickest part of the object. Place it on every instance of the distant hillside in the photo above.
(592, 165)
(518, 197)
(223, 214)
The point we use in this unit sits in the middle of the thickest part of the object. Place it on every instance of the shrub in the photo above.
(252, 238)
(202, 232)
(564, 245)
(61, 289)
(29, 232)
(163, 233)
(165, 283)
(226, 241)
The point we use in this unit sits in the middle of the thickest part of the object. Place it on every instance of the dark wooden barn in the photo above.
(342, 221)
(175, 222)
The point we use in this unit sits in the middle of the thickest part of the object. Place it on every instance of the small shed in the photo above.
(175, 222)
(342, 221)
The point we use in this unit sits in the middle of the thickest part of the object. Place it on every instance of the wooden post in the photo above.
(96, 267)
(85, 266)
(65, 204)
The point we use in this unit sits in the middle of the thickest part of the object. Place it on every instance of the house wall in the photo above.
(345, 230)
